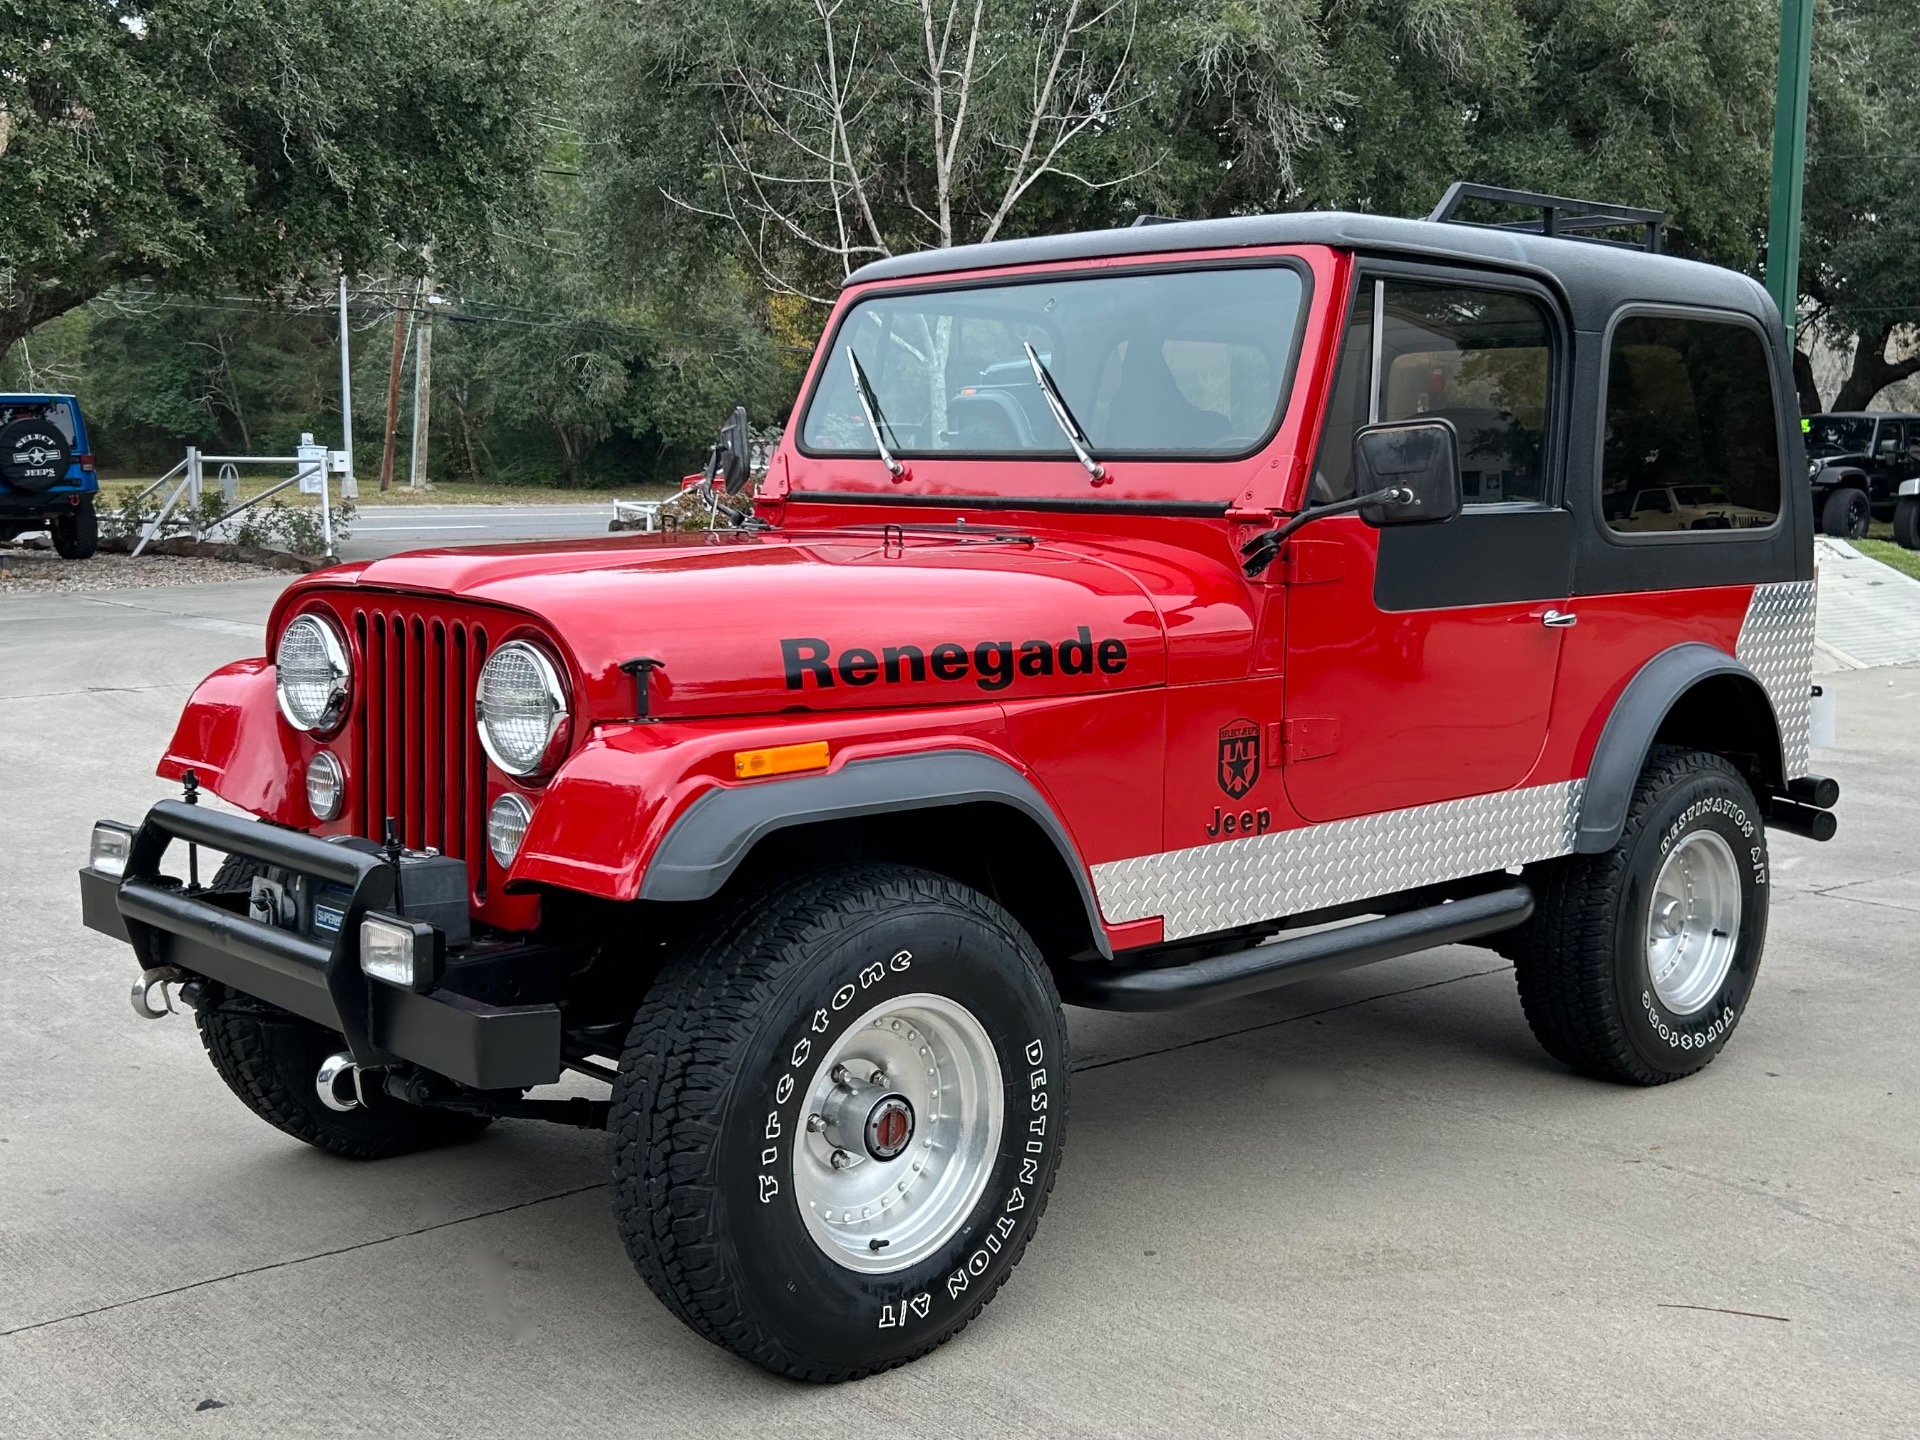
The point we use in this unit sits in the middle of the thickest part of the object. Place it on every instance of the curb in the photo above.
(180, 546)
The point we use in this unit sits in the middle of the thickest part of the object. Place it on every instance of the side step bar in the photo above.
(1288, 961)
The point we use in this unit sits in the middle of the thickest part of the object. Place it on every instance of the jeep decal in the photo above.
(992, 664)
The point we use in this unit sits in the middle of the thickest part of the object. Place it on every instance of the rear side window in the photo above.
(1693, 436)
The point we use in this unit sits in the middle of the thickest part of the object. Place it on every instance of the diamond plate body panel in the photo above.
(1240, 882)
(1776, 644)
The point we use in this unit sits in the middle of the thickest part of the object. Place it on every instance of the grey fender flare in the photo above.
(707, 843)
(1628, 735)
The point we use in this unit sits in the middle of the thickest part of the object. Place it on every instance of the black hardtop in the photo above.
(1865, 415)
(1596, 279)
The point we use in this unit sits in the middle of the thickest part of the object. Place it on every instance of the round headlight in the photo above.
(507, 822)
(326, 786)
(519, 706)
(311, 674)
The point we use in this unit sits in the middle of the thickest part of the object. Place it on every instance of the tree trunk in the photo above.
(1872, 371)
(422, 396)
(394, 366)
(1803, 383)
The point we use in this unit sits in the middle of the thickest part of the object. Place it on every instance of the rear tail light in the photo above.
(85, 460)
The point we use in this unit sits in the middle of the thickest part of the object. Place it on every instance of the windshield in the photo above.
(1173, 363)
(1830, 435)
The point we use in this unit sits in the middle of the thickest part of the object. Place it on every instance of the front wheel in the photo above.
(1638, 962)
(838, 1119)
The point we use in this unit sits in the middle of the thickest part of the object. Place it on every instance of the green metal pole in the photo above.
(1789, 158)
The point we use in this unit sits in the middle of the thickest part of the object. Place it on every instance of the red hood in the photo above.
(826, 620)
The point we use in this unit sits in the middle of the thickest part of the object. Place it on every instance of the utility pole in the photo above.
(346, 400)
(400, 316)
(422, 390)
(1789, 158)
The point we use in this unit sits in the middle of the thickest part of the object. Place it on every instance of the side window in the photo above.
(1690, 417)
(1479, 358)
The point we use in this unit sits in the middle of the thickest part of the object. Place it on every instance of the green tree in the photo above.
(254, 145)
(1860, 261)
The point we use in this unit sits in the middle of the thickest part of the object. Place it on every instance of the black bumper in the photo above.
(489, 1047)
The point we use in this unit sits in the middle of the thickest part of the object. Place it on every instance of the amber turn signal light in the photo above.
(780, 760)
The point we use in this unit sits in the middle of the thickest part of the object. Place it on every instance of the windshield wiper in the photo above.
(1056, 402)
(870, 407)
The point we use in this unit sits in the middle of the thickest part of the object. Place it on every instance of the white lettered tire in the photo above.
(913, 1023)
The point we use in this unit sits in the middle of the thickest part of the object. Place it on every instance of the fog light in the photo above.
(403, 952)
(506, 827)
(112, 843)
(326, 786)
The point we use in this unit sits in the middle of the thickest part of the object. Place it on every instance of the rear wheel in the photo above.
(838, 1119)
(1639, 962)
(1846, 514)
(76, 534)
(1906, 522)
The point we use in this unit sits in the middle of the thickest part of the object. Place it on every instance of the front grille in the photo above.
(416, 757)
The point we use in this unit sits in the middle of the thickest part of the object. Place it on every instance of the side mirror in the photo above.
(1419, 457)
(730, 461)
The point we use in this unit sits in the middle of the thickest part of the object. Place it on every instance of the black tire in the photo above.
(34, 455)
(1906, 523)
(707, 1115)
(76, 534)
(269, 1059)
(1582, 962)
(1846, 514)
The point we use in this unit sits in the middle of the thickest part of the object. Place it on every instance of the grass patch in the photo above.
(1907, 562)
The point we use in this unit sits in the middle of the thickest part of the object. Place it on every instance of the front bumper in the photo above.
(488, 1047)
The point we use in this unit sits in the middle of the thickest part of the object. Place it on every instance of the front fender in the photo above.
(231, 737)
(649, 813)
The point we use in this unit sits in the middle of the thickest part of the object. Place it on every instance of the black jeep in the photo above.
(1857, 464)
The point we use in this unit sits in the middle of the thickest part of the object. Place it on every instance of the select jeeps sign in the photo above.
(990, 664)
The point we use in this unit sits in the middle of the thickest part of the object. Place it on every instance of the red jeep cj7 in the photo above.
(1139, 619)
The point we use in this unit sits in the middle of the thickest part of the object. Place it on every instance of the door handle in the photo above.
(1559, 619)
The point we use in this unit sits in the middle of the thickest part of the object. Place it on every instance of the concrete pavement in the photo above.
(1365, 1206)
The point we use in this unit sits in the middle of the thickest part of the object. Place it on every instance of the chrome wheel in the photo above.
(1693, 922)
(903, 1122)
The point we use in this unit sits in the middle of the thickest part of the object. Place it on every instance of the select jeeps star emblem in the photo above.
(1239, 757)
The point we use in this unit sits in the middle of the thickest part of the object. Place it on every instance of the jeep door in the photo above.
(1420, 661)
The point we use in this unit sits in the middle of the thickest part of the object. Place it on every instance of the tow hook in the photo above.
(159, 977)
(334, 1070)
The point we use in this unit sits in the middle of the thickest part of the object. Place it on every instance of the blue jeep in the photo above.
(46, 473)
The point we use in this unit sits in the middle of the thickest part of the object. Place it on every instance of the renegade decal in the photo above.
(991, 663)
(1239, 757)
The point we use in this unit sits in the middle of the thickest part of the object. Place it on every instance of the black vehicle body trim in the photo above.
(1628, 735)
(1483, 557)
(488, 1047)
(706, 845)
(1291, 959)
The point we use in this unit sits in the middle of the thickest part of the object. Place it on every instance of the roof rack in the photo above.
(1560, 215)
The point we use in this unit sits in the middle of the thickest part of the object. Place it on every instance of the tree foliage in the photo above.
(254, 145)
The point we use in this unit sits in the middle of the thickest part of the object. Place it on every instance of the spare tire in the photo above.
(33, 455)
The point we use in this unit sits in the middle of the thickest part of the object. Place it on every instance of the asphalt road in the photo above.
(1365, 1206)
(379, 530)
